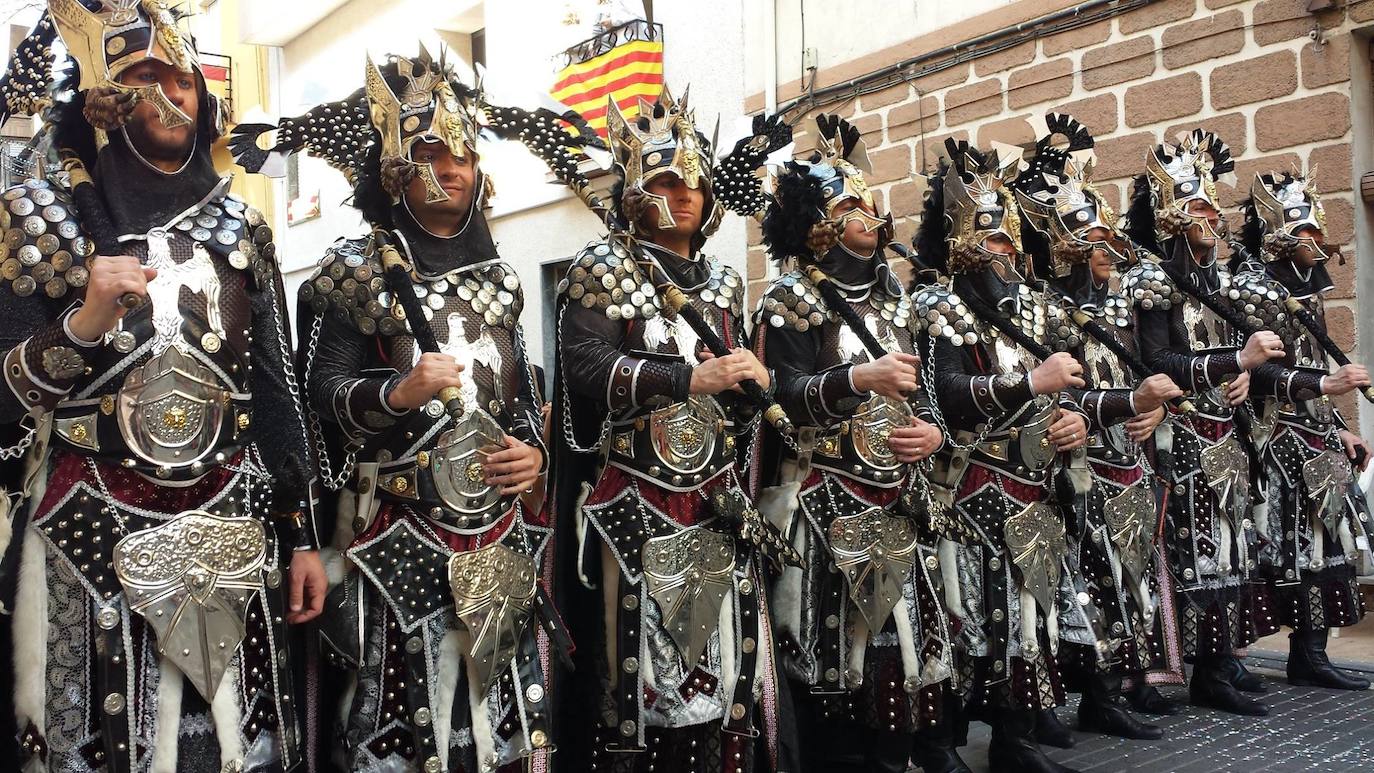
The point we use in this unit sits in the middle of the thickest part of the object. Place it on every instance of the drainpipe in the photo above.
(770, 57)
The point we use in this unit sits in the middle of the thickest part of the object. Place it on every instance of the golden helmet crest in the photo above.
(1057, 197)
(978, 203)
(1184, 172)
(427, 109)
(119, 34)
(662, 139)
(1287, 204)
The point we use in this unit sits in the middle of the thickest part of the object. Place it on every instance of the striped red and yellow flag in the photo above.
(624, 63)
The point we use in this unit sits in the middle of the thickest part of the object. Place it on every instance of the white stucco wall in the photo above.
(840, 32)
(535, 223)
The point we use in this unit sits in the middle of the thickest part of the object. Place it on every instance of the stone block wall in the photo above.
(1245, 69)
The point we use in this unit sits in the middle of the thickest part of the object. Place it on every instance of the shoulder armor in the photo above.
(793, 302)
(604, 277)
(1259, 298)
(725, 288)
(941, 314)
(492, 289)
(44, 249)
(347, 282)
(891, 301)
(1115, 311)
(237, 232)
(1060, 332)
(1146, 286)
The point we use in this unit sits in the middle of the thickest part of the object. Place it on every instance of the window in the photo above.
(479, 49)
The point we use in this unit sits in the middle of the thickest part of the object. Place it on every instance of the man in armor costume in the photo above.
(1315, 514)
(862, 630)
(153, 588)
(1005, 414)
(1076, 246)
(674, 660)
(1175, 215)
(432, 448)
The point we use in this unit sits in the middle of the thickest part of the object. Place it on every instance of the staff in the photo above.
(397, 273)
(541, 133)
(95, 219)
(1084, 321)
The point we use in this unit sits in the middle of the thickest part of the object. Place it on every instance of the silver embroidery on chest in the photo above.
(164, 291)
(852, 349)
(659, 331)
(469, 353)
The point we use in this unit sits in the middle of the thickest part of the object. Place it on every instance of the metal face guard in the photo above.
(1036, 538)
(434, 192)
(660, 203)
(688, 575)
(876, 552)
(493, 595)
(168, 114)
(192, 579)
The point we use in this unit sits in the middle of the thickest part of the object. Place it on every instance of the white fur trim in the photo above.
(170, 683)
(858, 647)
(7, 502)
(906, 640)
(450, 662)
(227, 714)
(949, 576)
(31, 634)
(482, 740)
(725, 629)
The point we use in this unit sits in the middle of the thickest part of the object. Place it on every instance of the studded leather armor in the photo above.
(657, 430)
(815, 383)
(360, 348)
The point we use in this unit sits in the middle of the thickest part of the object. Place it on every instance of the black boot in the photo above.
(1145, 699)
(933, 749)
(1013, 748)
(888, 752)
(1050, 731)
(1308, 665)
(1234, 669)
(1103, 711)
(1210, 688)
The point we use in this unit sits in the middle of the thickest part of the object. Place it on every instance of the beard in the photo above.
(157, 143)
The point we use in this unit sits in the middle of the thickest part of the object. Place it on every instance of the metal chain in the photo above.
(288, 367)
(17, 450)
(928, 372)
(333, 482)
(569, 436)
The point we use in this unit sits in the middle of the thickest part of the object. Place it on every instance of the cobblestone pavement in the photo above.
(1308, 730)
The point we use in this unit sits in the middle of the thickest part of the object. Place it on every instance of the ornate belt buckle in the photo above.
(192, 578)
(459, 476)
(683, 435)
(876, 552)
(688, 575)
(872, 425)
(171, 410)
(1036, 538)
(493, 594)
(1129, 516)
